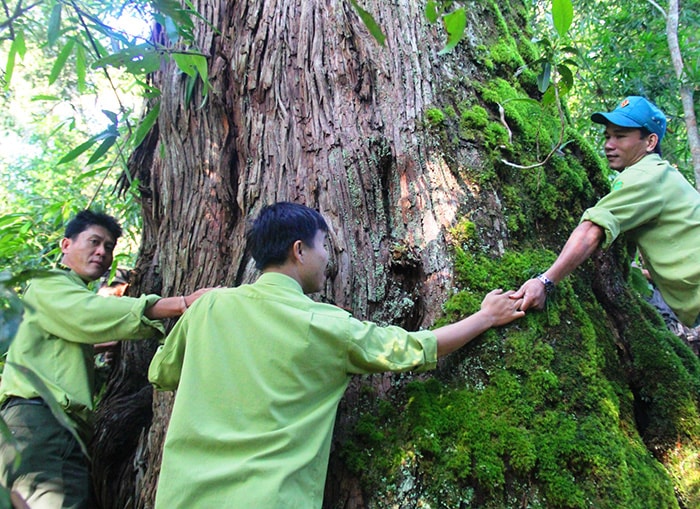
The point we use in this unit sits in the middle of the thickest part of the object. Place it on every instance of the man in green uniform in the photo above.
(52, 353)
(260, 370)
(650, 201)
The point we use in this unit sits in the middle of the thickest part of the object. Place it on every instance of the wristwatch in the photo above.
(548, 283)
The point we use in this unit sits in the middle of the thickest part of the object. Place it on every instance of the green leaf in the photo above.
(54, 29)
(374, 29)
(567, 78)
(102, 149)
(77, 150)
(185, 62)
(61, 61)
(10, 66)
(189, 89)
(111, 116)
(562, 15)
(80, 67)
(544, 77)
(200, 63)
(455, 23)
(549, 97)
(431, 11)
(18, 47)
(138, 60)
(44, 97)
(176, 20)
(145, 126)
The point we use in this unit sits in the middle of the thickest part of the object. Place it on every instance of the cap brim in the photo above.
(616, 118)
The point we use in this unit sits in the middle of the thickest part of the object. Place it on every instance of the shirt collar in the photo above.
(279, 279)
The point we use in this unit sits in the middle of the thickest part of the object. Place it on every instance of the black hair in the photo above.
(87, 218)
(277, 227)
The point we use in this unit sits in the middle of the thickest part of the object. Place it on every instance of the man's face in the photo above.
(90, 253)
(315, 262)
(624, 146)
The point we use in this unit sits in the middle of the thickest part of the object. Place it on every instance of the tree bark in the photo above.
(686, 88)
(305, 106)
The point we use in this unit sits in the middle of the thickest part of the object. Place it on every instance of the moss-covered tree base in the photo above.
(590, 403)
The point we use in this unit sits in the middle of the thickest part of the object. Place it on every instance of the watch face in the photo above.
(548, 284)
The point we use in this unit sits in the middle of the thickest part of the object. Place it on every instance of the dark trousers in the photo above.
(43, 462)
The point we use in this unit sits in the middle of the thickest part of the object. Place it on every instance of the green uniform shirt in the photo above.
(259, 372)
(62, 321)
(660, 211)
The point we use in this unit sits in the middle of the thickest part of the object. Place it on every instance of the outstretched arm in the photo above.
(582, 243)
(169, 307)
(497, 309)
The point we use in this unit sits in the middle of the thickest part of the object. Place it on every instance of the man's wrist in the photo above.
(548, 283)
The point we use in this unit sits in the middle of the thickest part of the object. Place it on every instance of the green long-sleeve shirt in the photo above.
(259, 372)
(62, 321)
(660, 211)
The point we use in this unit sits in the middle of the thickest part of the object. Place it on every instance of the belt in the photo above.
(16, 400)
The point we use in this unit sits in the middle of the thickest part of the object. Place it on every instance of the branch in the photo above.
(661, 10)
(18, 13)
(562, 124)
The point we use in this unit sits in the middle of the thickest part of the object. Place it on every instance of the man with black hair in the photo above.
(52, 357)
(260, 370)
(650, 201)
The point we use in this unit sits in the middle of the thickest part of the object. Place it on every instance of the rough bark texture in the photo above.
(305, 106)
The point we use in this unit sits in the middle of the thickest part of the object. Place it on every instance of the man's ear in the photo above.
(652, 141)
(296, 252)
(65, 243)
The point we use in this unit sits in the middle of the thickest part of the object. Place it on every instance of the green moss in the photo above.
(506, 54)
(540, 413)
(434, 116)
(540, 404)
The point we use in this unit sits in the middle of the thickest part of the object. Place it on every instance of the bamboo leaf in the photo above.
(455, 23)
(111, 116)
(80, 67)
(10, 66)
(77, 150)
(102, 149)
(61, 61)
(54, 28)
(146, 125)
(18, 47)
(200, 63)
(374, 29)
(138, 60)
(185, 63)
(562, 15)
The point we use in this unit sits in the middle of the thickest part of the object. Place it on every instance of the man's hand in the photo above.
(502, 307)
(532, 293)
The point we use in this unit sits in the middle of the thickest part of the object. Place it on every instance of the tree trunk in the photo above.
(686, 89)
(305, 106)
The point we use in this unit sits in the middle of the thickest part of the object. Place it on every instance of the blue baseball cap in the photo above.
(637, 112)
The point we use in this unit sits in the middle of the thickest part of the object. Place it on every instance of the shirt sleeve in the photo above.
(166, 366)
(631, 203)
(70, 311)
(374, 349)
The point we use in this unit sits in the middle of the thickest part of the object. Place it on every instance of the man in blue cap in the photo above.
(650, 201)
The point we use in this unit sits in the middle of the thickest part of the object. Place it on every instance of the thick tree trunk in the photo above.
(305, 106)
